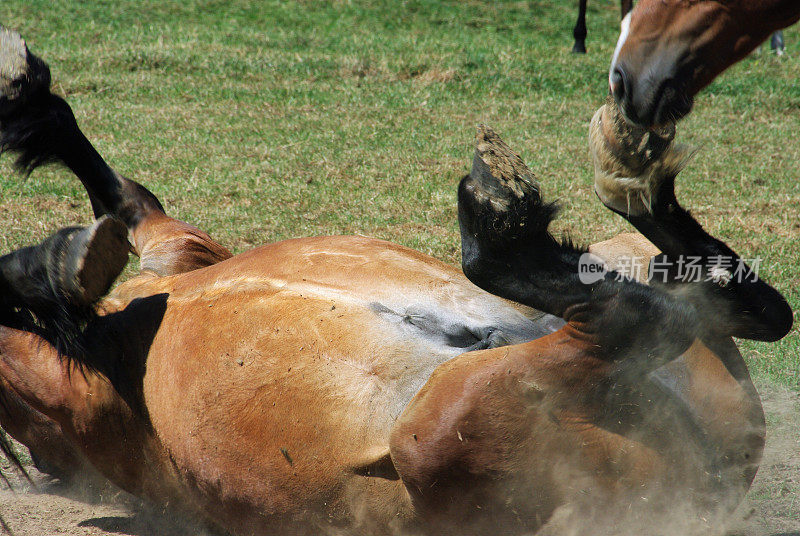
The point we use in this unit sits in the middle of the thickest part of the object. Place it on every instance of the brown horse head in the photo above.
(668, 50)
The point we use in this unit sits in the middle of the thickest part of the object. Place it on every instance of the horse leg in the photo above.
(507, 250)
(635, 175)
(40, 128)
(57, 359)
(728, 289)
(703, 271)
(529, 427)
(51, 288)
(777, 44)
(579, 32)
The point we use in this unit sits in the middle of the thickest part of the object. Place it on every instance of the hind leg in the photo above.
(74, 264)
(502, 438)
(635, 172)
(508, 251)
(39, 127)
(51, 288)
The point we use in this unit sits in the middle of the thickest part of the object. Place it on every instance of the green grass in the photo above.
(260, 121)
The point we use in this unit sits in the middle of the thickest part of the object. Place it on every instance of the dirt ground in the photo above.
(771, 509)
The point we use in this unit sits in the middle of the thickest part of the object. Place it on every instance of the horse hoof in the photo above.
(500, 197)
(578, 49)
(501, 177)
(22, 74)
(94, 258)
(631, 163)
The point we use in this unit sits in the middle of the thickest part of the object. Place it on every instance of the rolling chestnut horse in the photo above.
(668, 50)
(346, 385)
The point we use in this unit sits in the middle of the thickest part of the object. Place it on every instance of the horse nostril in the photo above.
(616, 82)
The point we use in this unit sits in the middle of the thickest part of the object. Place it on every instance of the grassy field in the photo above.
(260, 121)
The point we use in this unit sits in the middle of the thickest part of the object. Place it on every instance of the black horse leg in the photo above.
(704, 270)
(635, 173)
(579, 32)
(39, 128)
(508, 251)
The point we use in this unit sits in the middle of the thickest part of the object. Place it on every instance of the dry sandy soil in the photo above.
(771, 509)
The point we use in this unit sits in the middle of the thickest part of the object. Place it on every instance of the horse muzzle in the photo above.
(650, 79)
(650, 100)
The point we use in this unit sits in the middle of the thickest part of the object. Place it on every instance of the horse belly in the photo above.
(273, 379)
(279, 403)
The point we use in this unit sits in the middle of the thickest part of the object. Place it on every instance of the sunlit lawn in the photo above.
(260, 121)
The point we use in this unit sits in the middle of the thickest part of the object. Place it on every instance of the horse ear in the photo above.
(49, 382)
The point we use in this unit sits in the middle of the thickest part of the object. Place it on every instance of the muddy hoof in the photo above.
(93, 259)
(499, 200)
(22, 74)
(631, 163)
(500, 174)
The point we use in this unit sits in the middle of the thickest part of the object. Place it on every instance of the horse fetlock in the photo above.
(22, 74)
(632, 164)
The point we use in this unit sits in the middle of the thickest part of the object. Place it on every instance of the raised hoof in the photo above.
(94, 258)
(22, 74)
(500, 176)
(499, 200)
(631, 163)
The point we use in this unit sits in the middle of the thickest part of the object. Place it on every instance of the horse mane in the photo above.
(57, 322)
